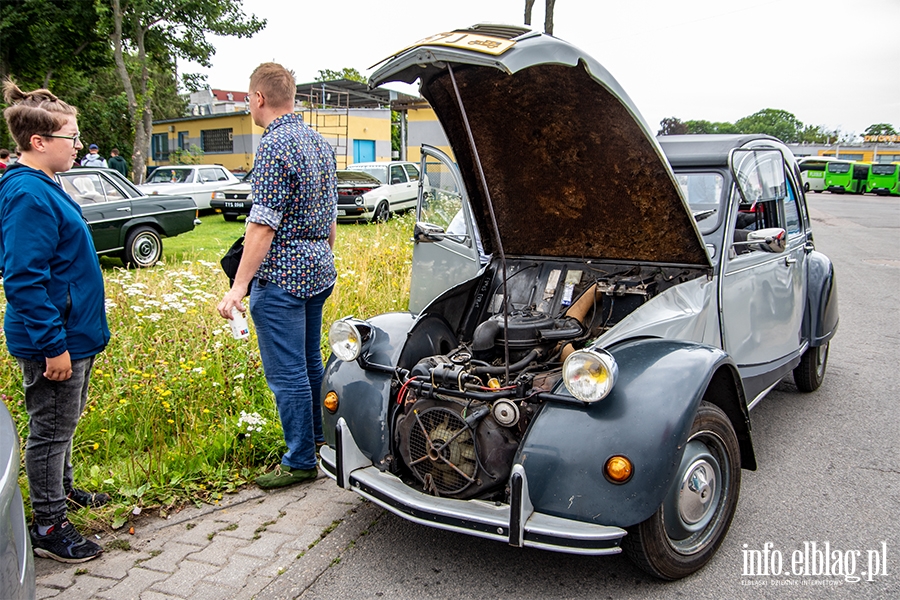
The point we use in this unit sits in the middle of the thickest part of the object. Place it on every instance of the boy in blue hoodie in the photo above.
(55, 320)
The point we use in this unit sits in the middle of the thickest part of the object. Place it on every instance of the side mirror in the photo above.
(772, 239)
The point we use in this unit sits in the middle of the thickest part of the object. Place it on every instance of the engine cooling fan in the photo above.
(442, 451)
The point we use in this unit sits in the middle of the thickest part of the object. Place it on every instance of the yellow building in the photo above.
(356, 121)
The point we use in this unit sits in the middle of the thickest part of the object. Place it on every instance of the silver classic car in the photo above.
(592, 315)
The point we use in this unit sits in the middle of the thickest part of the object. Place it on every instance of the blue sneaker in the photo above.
(63, 543)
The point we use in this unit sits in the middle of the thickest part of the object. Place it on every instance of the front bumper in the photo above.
(516, 523)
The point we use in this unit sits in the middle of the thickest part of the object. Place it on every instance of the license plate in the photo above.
(341, 213)
(234, 205)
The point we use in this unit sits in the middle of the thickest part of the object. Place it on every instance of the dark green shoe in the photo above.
(284, 476)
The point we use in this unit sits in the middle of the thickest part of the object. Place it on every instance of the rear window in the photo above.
(377, 171)
(812, 166)
(884, 169)
(839, 168)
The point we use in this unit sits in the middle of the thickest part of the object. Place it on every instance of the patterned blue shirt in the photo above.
(295, 193)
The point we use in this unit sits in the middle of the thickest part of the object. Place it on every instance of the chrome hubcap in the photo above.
(697, 492)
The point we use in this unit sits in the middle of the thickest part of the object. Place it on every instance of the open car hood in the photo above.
(571, 168)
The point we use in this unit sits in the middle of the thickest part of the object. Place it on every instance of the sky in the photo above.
(831, 63)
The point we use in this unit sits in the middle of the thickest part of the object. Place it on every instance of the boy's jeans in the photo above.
(54, 408)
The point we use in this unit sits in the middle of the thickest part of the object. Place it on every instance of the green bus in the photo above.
(846, 176)
(884, 179)
(812, 172)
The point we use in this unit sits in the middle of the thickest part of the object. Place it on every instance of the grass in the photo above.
(178, 410)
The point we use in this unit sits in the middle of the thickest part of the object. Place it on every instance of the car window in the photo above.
(442, 201)
(164, 175)
(791, 213)
(412, 171)
(703, 192)
(221, 175)
(85, 188)
(207, 175)
(112, 192)
(398, 175)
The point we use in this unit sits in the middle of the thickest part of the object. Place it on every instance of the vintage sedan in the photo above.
(124, 221)
(588, 389)
(200, 182)
(373, 191)
(234, 200)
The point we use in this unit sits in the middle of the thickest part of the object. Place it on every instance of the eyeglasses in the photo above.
(75, 138)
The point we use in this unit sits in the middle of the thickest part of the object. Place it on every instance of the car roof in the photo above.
(705, 150)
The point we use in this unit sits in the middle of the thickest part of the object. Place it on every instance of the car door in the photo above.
(763, 293)
(412, 194)
(445, 242)
(401, 189)
(104, 206)
(209, 180)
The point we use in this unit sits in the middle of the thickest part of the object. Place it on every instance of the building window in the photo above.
(160, 146)
(183, 143)
(216, 140)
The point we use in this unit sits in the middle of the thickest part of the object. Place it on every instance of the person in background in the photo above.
(93, 158)
(118, 163)
(288, 265)
(4, 158)
(55, 323)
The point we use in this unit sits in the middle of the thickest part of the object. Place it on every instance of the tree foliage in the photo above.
(672, 126)
(159, 32)
(778, 123)
(880, 129)
(345, 73)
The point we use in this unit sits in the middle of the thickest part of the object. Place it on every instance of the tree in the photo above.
(778, 123)
(671, 126)
(158, 32)
(880, 129)
(548, 14)
(710, 127)
(345, 73)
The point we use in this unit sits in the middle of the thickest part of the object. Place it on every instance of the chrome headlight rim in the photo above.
(595, 363)
(345, 339)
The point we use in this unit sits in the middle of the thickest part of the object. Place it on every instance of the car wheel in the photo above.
(806, 187)
(382, 213)
(811, 371)
(230, 216)
(685, 532)
(143, 248)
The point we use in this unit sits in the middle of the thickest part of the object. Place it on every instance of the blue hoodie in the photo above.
(51, 275)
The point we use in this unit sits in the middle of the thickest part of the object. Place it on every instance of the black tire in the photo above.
(143, 247)
(382, 213)
(806, 187)
(685, 532)
(230, 216)
(811, 371)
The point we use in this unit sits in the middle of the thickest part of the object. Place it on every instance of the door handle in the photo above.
(789, 260)
(126, 208)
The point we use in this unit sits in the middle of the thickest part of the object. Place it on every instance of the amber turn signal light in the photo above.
(618, 469)
(331, 402)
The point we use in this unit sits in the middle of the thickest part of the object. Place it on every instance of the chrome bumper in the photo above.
(516, 523)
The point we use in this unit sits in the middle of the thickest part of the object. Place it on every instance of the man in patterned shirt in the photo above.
(288, 265)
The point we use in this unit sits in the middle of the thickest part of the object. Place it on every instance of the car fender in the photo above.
(136, 222)
(821, 319)
(646, 417)
(364, 393)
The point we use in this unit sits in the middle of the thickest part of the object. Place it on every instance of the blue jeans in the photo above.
(289, 330)
(54, 408)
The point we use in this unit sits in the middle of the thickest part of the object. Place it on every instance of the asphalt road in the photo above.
(829, 472)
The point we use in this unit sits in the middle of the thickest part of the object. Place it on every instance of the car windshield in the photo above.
(171, 176)
(378, 172)
(356, 177)
(703, 192)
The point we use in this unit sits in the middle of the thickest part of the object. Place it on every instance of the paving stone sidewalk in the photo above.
(254, 544)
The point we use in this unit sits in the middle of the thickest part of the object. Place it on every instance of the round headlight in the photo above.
(590, 374)
(345, 341)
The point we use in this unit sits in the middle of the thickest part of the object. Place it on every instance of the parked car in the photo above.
(588, 389)
(124, 221)
(199, 182)
(16, 560)
(372, 191)
(234, 200)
